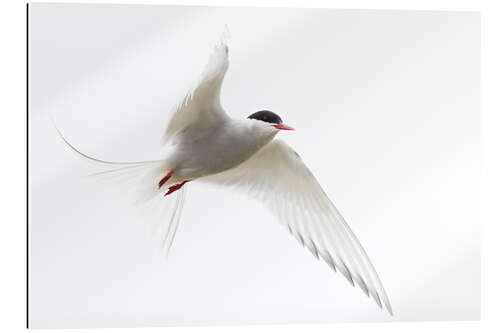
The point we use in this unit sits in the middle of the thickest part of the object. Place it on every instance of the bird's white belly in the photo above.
(215, 152)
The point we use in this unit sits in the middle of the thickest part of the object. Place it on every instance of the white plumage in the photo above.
(208, 145)
(277, 177)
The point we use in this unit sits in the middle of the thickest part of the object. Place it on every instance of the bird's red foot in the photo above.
(176, 187)
(166, 178)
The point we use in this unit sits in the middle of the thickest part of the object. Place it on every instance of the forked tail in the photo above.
(139, 181)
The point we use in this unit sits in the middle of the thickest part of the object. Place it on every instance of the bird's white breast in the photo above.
(201, 153)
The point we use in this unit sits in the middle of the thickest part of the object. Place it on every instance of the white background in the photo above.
(386, 106)
(488, 298)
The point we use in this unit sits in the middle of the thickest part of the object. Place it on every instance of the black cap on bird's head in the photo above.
(270, 117)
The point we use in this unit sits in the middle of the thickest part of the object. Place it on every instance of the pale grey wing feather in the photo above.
(277, 177)
(137, 182)
(201, 107)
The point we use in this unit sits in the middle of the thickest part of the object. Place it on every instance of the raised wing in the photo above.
(277, 176)
(201, 107)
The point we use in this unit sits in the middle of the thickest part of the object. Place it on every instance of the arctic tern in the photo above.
(208, 145)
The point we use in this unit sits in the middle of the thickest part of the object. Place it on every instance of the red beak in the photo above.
(284, 127)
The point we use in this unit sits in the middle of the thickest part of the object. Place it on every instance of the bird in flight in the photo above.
(206, 144)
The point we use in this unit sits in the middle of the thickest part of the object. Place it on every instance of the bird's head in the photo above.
(271, 119)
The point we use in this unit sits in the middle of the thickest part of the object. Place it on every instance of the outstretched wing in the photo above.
(201, 108)
(277, 176)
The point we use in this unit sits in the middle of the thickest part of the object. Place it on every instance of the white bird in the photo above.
(208, 145)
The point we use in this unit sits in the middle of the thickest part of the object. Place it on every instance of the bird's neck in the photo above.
(256, 133)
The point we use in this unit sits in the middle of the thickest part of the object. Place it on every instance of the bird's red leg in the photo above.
(176, 187)
(166, 178)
